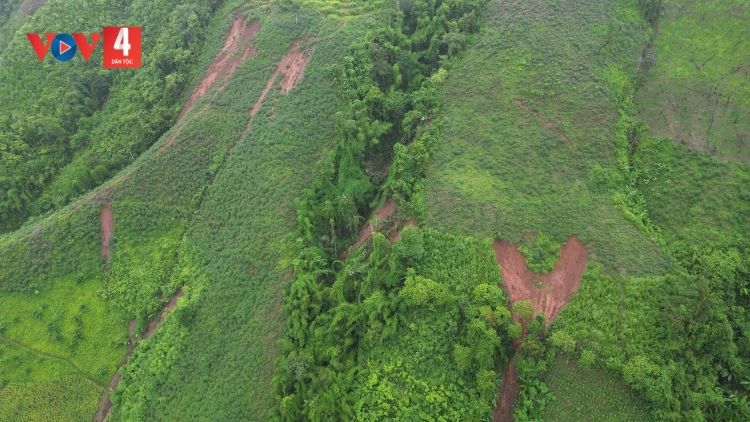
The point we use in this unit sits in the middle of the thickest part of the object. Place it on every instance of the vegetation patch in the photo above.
(66, 399)
(695, 88)
(582, 393)
(540, 251)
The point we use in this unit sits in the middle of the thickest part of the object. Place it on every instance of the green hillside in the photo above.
(528, 138)
(461, 210)
(696, 90)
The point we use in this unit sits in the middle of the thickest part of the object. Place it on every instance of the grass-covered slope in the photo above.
(59, 304)
(215, 359)
(539, 137)
(697, 92)
(529, 120)
(691, 195)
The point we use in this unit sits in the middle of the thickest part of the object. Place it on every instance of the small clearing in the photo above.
(107, 223)
(105, 405)
(292, 66)
(554, 294)
(547, 123)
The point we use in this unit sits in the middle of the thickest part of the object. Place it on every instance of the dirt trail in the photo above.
(554, 294)
(153, 325)
(105, 404)
(547, 123)
(508, 393)
(292, 65)
(108, 224)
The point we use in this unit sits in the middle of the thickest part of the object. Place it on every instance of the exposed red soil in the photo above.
(228, 60)
(237, 47)
(153, 325)
(557, 286)
(508, 393)
(366, 233)
(166, 145)
(396, 235)
(555, 292)
(108, 224)
(292, 66)
(105, 405)
(547, 123)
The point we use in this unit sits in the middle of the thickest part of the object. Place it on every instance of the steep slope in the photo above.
(697, 89)
(529, 121)
(61, 301)
(539, 140)
(214, 358)
(67, 127)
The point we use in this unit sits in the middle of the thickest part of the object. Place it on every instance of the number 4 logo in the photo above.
(122, 46)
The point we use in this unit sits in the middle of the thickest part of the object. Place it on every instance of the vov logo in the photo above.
(122, 46)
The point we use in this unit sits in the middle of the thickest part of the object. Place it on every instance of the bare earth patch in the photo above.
(508, 394)
(554, 293)
(153, 325)
(557, 286)
(108, 224)
(237, 47)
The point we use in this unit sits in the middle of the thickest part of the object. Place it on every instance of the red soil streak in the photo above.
(237, 47)
(556, 289)
(228, 60)
(108, 224)
(105, 405)
(366, 233)
(547, 123)
(294, 68)
(153, 325)
(292, 65)
(166, 145)
(508, 393)
(396, 235)
(557, 286)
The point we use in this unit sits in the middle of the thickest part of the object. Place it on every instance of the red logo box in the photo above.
(122, 46)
